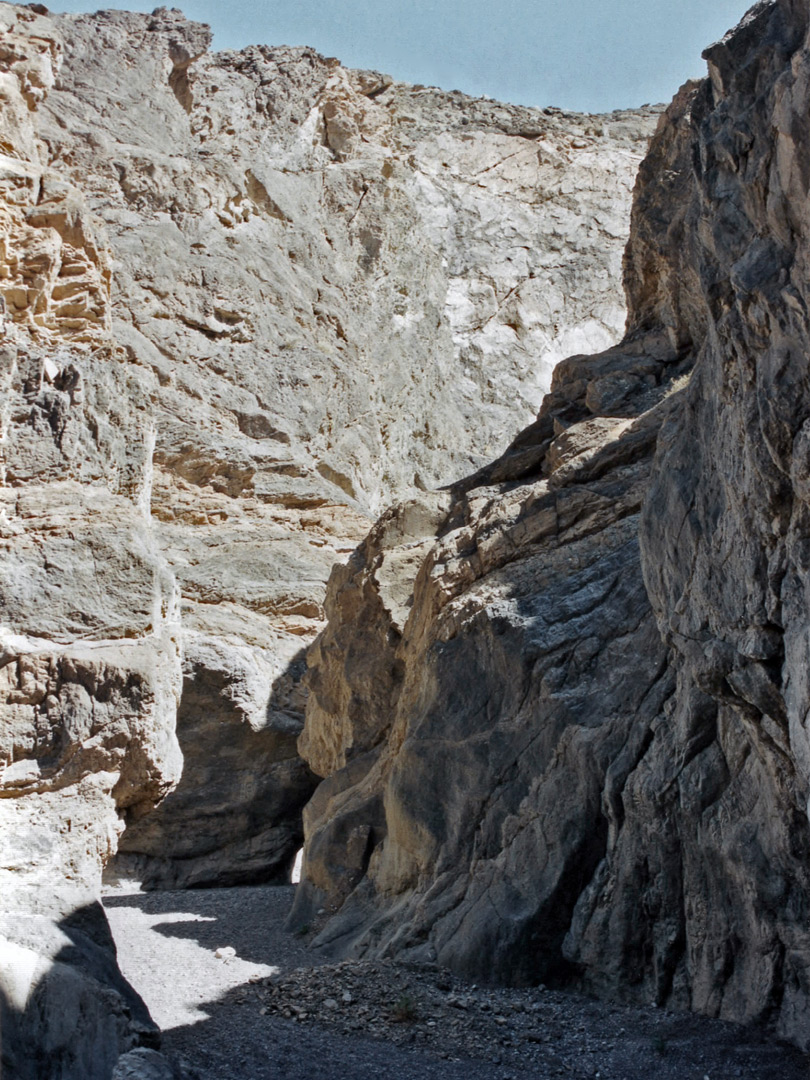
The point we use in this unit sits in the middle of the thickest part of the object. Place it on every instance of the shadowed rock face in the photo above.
(65, 1008)
(247, 767)
(255, 297)
(247, 300)
(561, 708)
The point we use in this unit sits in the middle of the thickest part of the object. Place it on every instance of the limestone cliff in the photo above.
(247, 300)
(292, 293)
(561, 708)
(90, 668)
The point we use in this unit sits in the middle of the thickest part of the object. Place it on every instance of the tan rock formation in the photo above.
(90, 669)
(563, 713)
(332, 290)
(247, 300)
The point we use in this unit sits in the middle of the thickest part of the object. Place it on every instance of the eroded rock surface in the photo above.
(90, 670)
(247, 300)
(562, 707)
(314, 290)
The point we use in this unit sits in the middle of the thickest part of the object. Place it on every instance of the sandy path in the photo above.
(213, 1030)
(177, 974)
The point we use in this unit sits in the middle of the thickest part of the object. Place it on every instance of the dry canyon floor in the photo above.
(239, 998)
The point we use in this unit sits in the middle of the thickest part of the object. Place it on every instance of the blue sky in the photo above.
(589, 55)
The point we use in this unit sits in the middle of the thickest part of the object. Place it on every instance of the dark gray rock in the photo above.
(594, 765)
(65, 1008)
(143, 1064)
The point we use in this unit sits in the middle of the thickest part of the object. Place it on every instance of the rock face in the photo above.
(561, 707)
(65, 1008)
(90, 668)
(293, 293)
(247, 300)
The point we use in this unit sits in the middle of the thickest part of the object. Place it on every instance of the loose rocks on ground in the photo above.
(362, 1019)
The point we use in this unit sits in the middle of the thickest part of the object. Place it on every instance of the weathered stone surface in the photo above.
(475, 728)
(90, 680)
(143, 1064)
(65, 1008)
(242, 757)
(90, 669)
(581, 755)
(330, 290)
(247, 299)
(316, 269)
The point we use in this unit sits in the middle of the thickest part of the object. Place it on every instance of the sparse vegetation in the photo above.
(405, 1010)
(678, 384)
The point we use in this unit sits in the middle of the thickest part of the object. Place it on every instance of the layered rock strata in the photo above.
(561, 708)
(90, 672)
(328, 290)
(247, 299)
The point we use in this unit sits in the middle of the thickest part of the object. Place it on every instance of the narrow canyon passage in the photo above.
(432, 471)
(238, 997)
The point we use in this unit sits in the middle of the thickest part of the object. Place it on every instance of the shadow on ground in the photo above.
(238, 1034)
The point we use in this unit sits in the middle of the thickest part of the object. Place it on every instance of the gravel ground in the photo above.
(237, 998)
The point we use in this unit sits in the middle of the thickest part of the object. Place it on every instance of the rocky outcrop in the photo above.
(90, 668)
(560, 707)
(247, 299)
(236, 813)
(65, 1008)
(293, 293)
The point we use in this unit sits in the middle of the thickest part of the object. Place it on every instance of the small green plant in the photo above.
(303, 930)
(659, 1045)
(404, 1010)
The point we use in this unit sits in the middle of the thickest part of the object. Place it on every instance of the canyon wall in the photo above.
(91, 668)
(345, 290)
(248, 299)
(292, 293)
(560, 708)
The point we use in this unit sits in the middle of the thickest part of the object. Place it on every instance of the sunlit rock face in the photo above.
(297, 292)
(561, 707)
(90, 674)
(248, 299)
